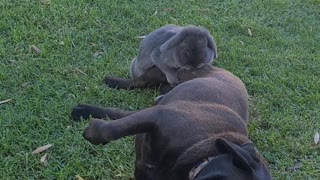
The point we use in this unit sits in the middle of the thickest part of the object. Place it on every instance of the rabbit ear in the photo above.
(173, 41)
(212, 45)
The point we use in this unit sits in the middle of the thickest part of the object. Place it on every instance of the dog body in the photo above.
(188, 114)
(201, 118)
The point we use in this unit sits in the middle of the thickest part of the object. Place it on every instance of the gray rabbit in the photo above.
(172, 47)
(165, 51)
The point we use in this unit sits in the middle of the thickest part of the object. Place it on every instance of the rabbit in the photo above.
(166, 50)
(172, 47)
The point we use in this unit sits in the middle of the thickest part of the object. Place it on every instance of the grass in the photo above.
(279, 63)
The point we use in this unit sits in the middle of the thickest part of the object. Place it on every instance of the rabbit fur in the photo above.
(173, 47)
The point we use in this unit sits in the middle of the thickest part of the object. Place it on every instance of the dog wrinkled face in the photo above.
(235, 162)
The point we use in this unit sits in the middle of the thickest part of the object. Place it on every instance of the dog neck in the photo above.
(197, 156)
(198, 167)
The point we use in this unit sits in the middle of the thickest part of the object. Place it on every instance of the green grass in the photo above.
(279, 63)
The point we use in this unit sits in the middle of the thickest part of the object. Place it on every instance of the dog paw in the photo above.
(95, 133)
(81, 110)
(164, 89)
(111, 82)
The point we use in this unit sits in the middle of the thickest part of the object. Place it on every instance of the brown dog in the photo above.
(198, 130)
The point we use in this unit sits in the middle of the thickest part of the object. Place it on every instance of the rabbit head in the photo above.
(191, 46)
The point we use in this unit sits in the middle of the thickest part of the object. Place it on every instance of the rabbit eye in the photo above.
(187, 51)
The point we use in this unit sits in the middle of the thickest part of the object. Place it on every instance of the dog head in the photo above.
(235, 162)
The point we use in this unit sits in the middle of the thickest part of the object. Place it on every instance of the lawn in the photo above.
(55, 54)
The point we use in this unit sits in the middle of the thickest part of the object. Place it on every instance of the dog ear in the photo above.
(241, 156)
(244, 157)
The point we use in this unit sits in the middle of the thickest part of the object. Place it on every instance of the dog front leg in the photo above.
(102, 132)
(143, 162)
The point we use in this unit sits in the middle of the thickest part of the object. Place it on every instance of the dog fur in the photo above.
(205, 116)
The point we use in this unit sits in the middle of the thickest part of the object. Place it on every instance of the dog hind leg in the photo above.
(154, 76)
(85, 110)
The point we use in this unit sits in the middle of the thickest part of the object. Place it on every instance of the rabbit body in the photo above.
(173, 47)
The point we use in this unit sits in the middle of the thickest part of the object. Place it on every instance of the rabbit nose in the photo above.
(197, 64)
(214, 52)
(215, 55)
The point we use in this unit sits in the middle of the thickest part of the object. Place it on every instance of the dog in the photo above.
(198, 130)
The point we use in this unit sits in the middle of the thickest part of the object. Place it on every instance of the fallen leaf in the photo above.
(23, 85)
(42, 148)
(249, 32)
(81, 72)
(73, 45)
(44, 159)
(140, 37)
(82, 87)
(71, 95)
(92, 44)
(61, 43)
(97, 54)
(155, 13)
(295, 167)
(16, 49)
(45, 1)
(241, 43)
(169, 10)
(5, 101)
(13, 61)
(79, 177)
(35, 49)
(174, 19)
(316, 138)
